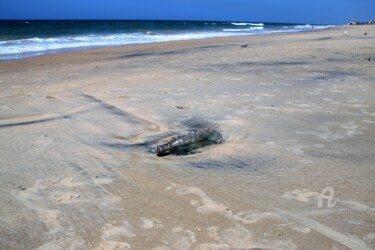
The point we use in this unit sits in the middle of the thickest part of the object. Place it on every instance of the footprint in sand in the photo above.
(302, 195)
(71, 243)
(65, 198)
(250, 217)
(238, 237)
(212, 246)
(149, 223)
(30, 198)
(117, 233)
(67, 182)
(39, 145)
(111, 245)
(299, 149)
(43, 197)
(180, 238)
(335, 131)
(212, 233)
(113, 236)
(300, 103)
(205, 205)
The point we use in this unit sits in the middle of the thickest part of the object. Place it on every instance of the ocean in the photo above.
(20, 39)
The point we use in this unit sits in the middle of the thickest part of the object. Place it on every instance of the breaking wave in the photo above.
(248, 24)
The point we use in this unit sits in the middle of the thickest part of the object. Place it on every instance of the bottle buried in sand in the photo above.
(186, 143)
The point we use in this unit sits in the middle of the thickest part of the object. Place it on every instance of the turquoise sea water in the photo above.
(22, 38)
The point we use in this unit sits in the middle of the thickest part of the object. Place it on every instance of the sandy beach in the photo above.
(296, 171)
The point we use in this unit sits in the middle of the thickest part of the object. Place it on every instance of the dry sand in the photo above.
(297, 112)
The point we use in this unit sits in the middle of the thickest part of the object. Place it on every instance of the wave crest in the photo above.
(248, 24)
(243, 30)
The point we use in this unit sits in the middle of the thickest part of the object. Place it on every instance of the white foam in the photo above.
(309, 26)
(12, 49)
(248, 24)
(244, 30)
(306, 26)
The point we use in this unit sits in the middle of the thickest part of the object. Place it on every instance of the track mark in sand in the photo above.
(120, 112)
(236, 235)
(356, 205)
(143, 129)
(40, 144)
(302, 195)
(299, 228)
(344, 239)
(39, 118)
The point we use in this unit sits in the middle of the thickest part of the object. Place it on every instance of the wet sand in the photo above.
(296, 111)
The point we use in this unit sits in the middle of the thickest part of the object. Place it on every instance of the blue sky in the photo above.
(286, 11)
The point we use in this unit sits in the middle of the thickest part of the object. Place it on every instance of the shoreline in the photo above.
(296, 112)
(68, 50)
